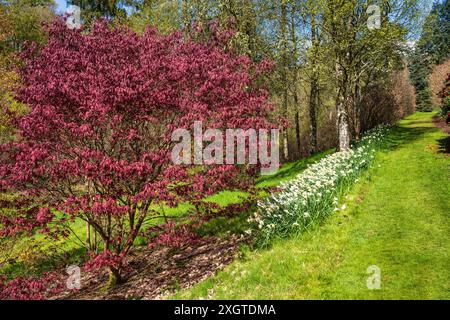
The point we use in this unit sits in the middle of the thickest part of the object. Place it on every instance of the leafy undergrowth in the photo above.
(396, 218)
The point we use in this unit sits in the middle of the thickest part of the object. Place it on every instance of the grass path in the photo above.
(397, 218)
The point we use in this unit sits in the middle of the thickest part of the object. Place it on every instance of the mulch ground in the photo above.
(156, 274)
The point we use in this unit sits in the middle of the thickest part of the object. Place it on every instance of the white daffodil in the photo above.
(316, 188)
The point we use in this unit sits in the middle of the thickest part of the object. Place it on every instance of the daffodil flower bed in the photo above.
(314, 194)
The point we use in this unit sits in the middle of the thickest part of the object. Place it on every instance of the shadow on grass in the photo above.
(402, 135)
(444, 145)
(224, 226)
(291, 169)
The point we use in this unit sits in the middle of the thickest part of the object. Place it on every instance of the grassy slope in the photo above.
(397, 218)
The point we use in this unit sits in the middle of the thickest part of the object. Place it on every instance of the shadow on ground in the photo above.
(444, 145)
(292, 169)
(157, 273)
(401, 135)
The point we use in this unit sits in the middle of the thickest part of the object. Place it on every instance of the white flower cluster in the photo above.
(313, 194)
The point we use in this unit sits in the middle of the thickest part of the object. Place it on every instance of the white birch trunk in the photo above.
(343, 127)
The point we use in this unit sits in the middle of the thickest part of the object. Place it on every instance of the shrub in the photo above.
(31, 288)
(96, 144)
(445, 96)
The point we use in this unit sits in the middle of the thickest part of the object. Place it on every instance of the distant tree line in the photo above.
(432, 48)
(334, 74)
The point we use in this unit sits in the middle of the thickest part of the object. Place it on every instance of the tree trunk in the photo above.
(114, 278)
(284, 59)
(343, 127)
(95, 242)
(358, 115)
(186, 16)
(249, 21)
(88, 236)
(313, 117)
(297, 126)
(314, 91)
(295, 79)
(341, 106)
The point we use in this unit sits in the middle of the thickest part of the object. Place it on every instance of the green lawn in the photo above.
(397, 218)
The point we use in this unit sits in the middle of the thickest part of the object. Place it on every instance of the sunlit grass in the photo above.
(397, 218)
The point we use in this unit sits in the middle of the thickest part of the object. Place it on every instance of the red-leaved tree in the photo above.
(96, 144)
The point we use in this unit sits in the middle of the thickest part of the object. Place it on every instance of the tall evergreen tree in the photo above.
(432, 48)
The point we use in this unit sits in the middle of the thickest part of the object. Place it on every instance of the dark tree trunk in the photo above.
(284, 59)
(88, 236)
(313, 98)
(295, 91)
(115, 277)
(314, 91)
(297, 126)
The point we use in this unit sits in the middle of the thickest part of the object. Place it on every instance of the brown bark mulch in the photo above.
(156, 274)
